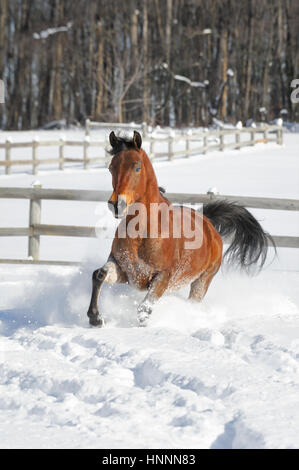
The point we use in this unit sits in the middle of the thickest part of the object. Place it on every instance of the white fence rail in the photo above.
(36, 229)
(207, 141)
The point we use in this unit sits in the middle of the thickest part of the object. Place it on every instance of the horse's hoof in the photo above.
(143, 314)
(142, 322)
(97, 321)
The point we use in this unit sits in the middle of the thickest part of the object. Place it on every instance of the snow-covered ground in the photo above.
(222, 374)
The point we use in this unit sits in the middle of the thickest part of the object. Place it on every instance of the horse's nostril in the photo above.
(118, 207)
(111, 206)
(122, 205)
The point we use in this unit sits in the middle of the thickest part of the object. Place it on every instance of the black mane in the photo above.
(122, 143)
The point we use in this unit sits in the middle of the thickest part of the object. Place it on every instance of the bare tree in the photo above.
(110, 60)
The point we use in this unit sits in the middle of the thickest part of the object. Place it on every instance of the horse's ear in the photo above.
(137, 140)
(112, 139)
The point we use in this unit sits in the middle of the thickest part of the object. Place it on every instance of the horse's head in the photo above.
(128, 173)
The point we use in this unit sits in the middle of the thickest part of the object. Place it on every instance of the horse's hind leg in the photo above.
(110, 273)
(200, 286)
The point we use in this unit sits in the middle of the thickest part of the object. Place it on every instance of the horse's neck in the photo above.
(152, 193)
(151, 198)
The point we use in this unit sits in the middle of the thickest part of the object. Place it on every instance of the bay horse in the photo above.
(159, 264)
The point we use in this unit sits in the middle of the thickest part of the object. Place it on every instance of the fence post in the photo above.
(170, 148)
(8, 143)
(85, 151)
(212, 192)
(34, 218)
(107, 158)
(87, 127)
(152, 148)
(187, 146)
(279, 136)
(221, 137)
(144, 129)
(205, 144)
(35, 143)
(61, 153)
(265, 135)
(252, 136)
(237, 140)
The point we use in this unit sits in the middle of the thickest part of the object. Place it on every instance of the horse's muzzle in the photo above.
(118, 208)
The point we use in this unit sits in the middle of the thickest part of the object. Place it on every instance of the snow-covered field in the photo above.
(222, 374)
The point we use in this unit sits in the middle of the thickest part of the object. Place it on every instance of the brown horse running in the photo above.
(160, 260)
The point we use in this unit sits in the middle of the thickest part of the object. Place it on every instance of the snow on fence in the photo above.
(207, 140)
(36, 229)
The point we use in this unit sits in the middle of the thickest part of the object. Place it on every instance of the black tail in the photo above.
(249, 244)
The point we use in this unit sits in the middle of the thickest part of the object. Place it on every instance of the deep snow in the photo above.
(222, 374)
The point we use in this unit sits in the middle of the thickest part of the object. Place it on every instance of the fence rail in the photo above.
(207, 141)
(36, 229)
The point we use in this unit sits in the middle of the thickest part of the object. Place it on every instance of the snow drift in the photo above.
(220, 374)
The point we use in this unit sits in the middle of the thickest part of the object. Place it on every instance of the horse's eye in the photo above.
(138, 168)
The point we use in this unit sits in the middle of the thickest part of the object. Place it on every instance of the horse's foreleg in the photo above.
(157, 288)
(110, 273)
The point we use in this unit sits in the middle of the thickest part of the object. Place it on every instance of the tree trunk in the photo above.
(146, 85)
(99, 73)
(57, 92)
(169, 83)
(224, 51)
(249, 62)
(3, 13)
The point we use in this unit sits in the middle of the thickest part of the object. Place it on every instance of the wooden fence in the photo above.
(35, 229)
(207, 141)
(89, 125)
